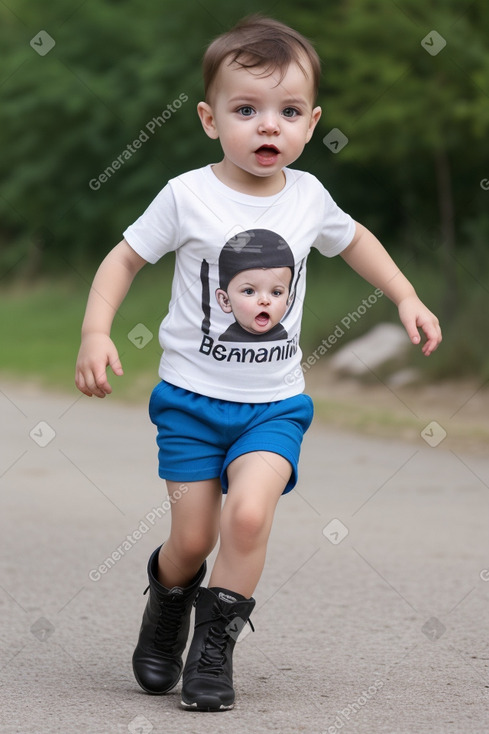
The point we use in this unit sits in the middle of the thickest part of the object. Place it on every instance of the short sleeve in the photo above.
(156, 231)
(337, 229)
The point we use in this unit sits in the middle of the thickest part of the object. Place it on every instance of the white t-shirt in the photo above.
(217, 233)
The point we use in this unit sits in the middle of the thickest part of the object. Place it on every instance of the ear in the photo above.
(315, 115)
(223, 300)
(206, 115)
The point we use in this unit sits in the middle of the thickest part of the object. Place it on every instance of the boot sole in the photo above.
(206, 704)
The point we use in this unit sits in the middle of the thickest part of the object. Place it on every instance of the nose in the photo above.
(269, 124)
(263, 299)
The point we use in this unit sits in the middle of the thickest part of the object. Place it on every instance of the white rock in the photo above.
(381, 344)
(405, 377)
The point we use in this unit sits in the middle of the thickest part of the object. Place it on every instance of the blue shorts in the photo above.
(198, 437)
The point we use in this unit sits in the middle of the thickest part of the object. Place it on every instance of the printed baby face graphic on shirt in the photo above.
(258, 299)
(256, 271)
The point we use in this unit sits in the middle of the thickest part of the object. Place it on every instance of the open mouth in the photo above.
(267, 153)
(262, 319)
(267, 149)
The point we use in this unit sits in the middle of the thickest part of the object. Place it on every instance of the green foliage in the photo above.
(67, 116)
(41, 325)
(79, 162)
(401, 107)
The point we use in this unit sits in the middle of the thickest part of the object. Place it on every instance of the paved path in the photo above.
(382, 629)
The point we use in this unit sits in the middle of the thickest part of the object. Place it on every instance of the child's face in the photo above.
(257, 298)
(262, 125)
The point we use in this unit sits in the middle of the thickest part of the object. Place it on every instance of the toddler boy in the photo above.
(227, 417)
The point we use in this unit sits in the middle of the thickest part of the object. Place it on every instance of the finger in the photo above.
(116, 366)
(433, 337)
(96, 383)
(430, 346)
(412, 331)
(102, 385)
(81, 385)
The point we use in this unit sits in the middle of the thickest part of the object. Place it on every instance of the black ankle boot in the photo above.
(157, 660)
(220, 615)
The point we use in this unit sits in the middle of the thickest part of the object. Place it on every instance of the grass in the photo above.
(41, 330)
(366, 419)
(41, 323)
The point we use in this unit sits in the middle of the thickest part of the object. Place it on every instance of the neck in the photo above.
(247, 183)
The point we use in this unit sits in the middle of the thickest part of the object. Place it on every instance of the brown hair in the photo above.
(257, 41)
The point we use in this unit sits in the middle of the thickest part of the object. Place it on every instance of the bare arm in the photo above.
(368, 258)
(109, 288)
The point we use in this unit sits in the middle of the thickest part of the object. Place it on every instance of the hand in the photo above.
(97, 351)
(413, 314)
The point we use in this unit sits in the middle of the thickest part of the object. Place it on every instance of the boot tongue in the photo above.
(176, 590)
(227, 596)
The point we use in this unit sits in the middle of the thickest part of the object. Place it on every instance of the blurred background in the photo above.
(97, 112)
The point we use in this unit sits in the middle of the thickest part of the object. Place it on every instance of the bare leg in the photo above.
(194, 531)
(256, 482)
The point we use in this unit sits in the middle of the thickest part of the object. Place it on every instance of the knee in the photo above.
(247, 526)
(193, 543)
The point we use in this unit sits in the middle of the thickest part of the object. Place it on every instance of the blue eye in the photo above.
(246, 111)
(290, 112)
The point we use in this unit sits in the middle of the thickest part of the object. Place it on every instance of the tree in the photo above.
(91, 130)
(408, 86)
